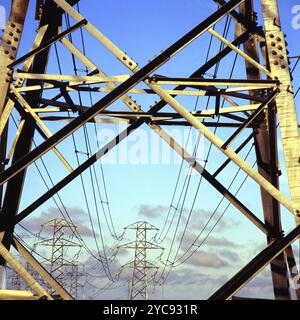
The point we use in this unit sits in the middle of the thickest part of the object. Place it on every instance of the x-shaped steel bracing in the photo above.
(167, 97)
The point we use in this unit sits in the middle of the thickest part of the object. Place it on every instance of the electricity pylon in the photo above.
(259, 99)
(59, 264)
(141, 265)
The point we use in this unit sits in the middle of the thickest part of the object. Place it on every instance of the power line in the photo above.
(107, 269)
(225, 33)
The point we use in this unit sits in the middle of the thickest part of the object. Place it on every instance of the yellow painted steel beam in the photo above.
(21, 271)
(92, 67)
(211, 83)
(10, 104)
(41, 124)
(285, 103)
(16, 138)
(10, 44)
(41, 270)
(17, 295)
(240, 52)
(73, 80)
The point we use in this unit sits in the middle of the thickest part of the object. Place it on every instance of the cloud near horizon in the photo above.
(78, 216)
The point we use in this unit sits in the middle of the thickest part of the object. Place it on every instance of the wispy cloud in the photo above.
(78, 215)
(151, 211)
(208, 260)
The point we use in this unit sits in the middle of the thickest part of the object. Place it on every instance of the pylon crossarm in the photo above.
(72, 80)
(208, 113)
(129, 102)
(255, 266)
(71, 87)
(259, 84)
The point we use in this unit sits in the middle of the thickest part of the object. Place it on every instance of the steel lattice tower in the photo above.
(60, 265)
(265, 98)
(141, 265)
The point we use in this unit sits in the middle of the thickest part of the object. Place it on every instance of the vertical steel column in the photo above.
(10, 44)
(8, 50)
(267, 162)
(285, 103)
(52, 17)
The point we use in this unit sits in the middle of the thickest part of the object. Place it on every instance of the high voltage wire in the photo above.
(181, 167)
(83, 185)
(217, 207)
(113, 232)
(107, 269)
(70, 225)
(225, 33)
(201, 178)
(75, 231)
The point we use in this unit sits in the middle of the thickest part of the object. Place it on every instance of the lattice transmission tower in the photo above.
(141, 264)
(257, 106)
(63, 262)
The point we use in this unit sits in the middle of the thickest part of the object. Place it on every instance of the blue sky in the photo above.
(144, 191)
